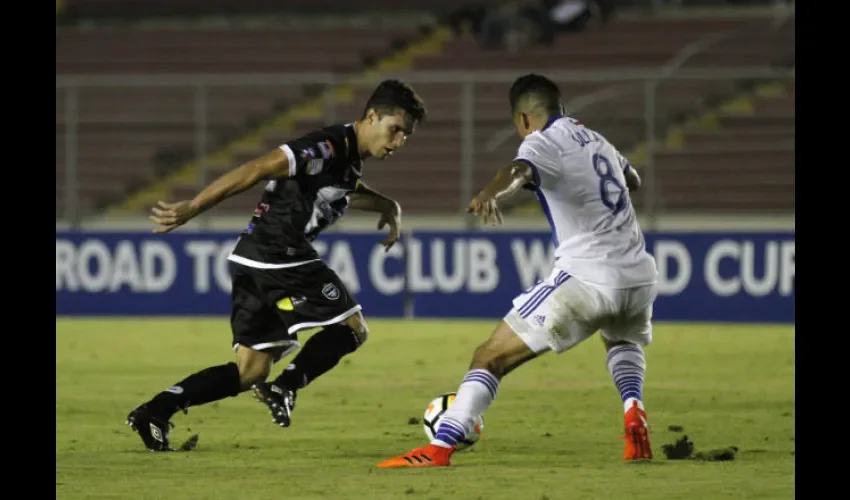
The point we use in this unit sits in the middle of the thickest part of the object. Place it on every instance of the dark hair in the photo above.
(393, 95)
(543, 90)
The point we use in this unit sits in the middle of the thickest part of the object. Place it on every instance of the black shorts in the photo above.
(269, 306)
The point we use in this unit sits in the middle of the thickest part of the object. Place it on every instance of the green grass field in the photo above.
(553, 432)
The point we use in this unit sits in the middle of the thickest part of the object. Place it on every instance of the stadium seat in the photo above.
(143, 132)
(433, 156)
(130, 136)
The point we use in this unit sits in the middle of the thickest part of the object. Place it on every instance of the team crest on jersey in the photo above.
(315, 166)
(330, 291)
(260, 209)
(327, 149)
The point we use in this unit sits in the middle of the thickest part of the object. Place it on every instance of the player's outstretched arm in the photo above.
(632, 179)
(170, 216)
(269, 166)
(629, 172)
(367, 199)
(507, 182)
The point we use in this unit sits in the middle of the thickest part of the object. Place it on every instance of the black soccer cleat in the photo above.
(152, 430)
(280, 401)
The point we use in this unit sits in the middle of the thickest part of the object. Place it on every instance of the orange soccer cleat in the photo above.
(428, 456)
(637, 435)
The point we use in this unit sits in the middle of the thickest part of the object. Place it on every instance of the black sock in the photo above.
(205, 386)
(320, 353)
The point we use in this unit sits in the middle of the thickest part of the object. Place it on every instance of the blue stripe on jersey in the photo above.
(542, 294)
(543, 203)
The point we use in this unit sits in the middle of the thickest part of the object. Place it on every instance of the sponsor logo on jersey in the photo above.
(315, 166)
(327, 149)
(261, 209)
(330, 291)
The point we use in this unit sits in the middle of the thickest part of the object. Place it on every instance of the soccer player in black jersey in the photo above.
(279, 284)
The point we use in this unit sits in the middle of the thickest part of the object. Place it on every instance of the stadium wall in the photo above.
(709, 271)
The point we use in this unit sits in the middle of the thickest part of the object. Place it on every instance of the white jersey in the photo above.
(580, 182)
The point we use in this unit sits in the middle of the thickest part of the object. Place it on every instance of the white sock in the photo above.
(627, 405)
(475, 394)
(627, 366)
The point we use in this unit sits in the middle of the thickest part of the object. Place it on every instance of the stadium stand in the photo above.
(690, 114)
(128, 137)
(736, 159)
(93, 9)
(433, 156)
(651, 43)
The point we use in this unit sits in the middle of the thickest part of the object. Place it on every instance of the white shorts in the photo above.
(561, 311)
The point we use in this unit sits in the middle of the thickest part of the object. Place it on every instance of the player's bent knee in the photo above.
(254, 366)
(503, 352)
(250, 374)
(358, 326)
(490, 358)
(609, 344)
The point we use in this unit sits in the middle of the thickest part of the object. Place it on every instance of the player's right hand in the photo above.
(488, 210)
(393, 220)
(170, 216)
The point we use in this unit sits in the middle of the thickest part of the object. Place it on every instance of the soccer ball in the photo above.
(434, 412)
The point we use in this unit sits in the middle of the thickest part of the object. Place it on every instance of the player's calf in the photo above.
(358, 326)
(491, 361)
(152, 419)
(254, 366)
(320, 354)
(502, 353)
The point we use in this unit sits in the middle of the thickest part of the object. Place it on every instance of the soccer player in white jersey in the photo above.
(603, 279)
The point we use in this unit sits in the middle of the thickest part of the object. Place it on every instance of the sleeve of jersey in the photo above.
(542, 167)
(308, 156)
(625, 164)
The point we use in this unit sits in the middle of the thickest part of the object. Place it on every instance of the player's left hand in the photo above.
(170, 216)
(487, 209)
(392, 219)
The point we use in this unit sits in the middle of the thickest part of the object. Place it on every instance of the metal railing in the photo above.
(455, 98)
(581, 102)
(650, 89)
